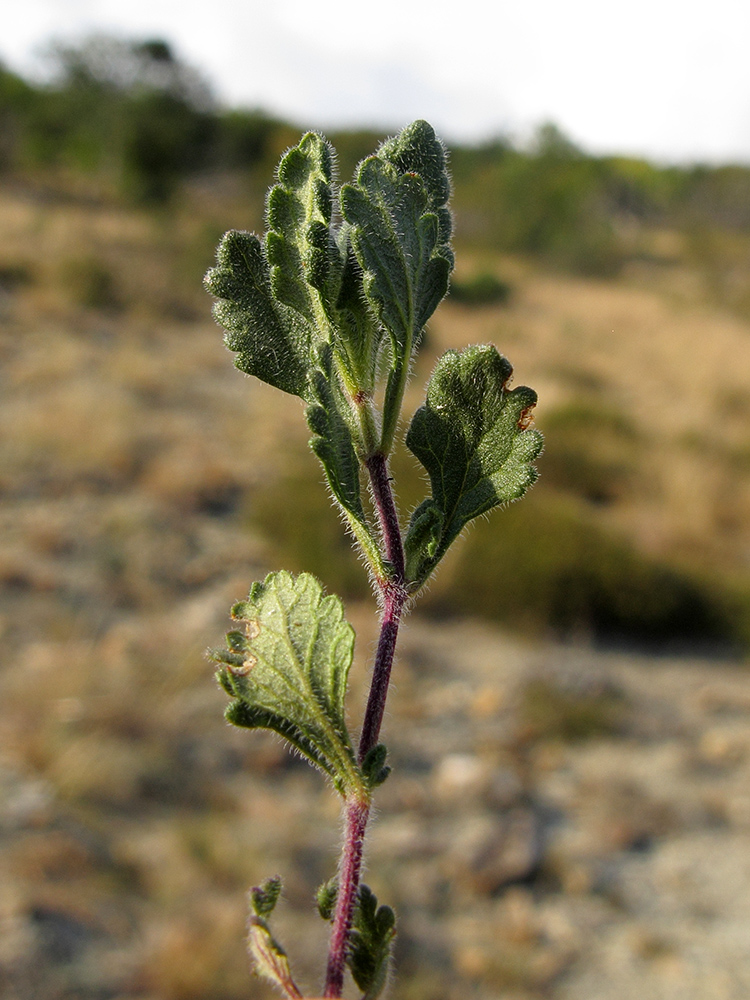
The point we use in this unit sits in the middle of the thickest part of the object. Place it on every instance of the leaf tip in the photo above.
(264, 897)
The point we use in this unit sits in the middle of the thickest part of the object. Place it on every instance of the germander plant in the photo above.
(330, 306)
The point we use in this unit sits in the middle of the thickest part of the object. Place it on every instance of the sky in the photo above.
(665, 79)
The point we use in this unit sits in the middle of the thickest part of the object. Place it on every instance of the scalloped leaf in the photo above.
(472, 437)
(271, 341)
(400, 232)
(332, 442)
(305, 261)
(416, 149)
(395, 238)
(287, 671)
(373, 931)
(264, 897)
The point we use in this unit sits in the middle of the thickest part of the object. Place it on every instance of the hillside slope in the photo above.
(604, 819)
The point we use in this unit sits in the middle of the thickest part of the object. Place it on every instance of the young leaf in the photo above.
(374, 767)
(272, 342)
(275, 298)
(373, 931)
(400, 231)
(417, 150)
(304, 257)
(267, 955)
(287, 671)
(332, 443)
(263, 898)
(359, 335)
(400, 241)
(471, 435)
(326, 896)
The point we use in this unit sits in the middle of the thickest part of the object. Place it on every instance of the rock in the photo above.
(27, 802)
(460, 777)
(463, 778)
(493, 852)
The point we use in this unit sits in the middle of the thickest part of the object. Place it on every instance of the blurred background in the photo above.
(569, 813)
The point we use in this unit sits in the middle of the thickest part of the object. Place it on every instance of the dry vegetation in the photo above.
(541, 845)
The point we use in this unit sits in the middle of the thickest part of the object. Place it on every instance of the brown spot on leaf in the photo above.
(243, 669)
(526, 419)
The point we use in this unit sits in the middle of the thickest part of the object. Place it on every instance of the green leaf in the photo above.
(277, 299)
(400, 232)
(272, 342)
(263, 898)
(287, 671)
(370, 943)
(332, 443)
(305, 261)
(416, 149)
(359, 335)
(471, 436)
(374, 766)
(326, 897)
(267, 955)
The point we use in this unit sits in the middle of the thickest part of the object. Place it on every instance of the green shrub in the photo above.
(483, 289)
(244, 138)
(294, 515)
(593, 451)
(90, 283)
(550, 202)
(15, 275)
(555, 711)
(546, 568)
(164, 139)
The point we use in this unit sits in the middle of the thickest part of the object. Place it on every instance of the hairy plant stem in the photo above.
(356, 813)
(393, 595)
(385, 505)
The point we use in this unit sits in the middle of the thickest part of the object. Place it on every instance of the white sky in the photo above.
(669, 79)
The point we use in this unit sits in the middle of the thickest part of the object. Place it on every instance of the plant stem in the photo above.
(382, 494)
(394, 596)
(393, 607)
(357, 813)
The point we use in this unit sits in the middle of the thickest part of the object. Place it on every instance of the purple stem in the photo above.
(393, 606)
(394, 596)
(357, 812)
(382, 495)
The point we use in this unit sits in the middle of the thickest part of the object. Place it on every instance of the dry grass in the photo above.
(679, 371)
